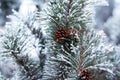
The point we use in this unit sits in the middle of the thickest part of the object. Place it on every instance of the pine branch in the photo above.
(17, 42)
(79, 48)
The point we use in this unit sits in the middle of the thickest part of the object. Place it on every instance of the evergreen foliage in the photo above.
(78, 51)
(20, 40)
(69, 51)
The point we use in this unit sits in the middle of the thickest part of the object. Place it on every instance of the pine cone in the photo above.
(84, 75)
(62, 34)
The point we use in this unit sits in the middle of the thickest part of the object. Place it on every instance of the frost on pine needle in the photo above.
(25, 43)
(78, 53)
(58, 44)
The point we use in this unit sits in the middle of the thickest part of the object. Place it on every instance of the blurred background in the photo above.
(22, 6)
